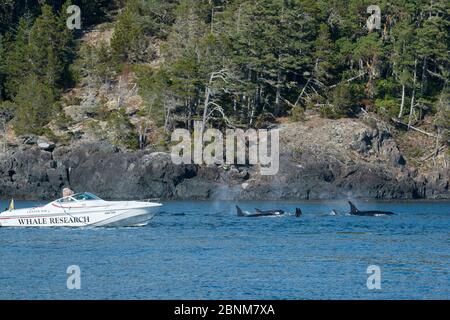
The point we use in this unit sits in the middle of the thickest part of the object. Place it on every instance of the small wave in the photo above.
(178, 214)
(351, 232)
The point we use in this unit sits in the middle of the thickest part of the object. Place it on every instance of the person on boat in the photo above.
(67, 192)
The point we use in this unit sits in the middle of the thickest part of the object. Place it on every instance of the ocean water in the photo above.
(202, 250)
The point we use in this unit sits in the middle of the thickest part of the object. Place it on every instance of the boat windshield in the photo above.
(85, 196)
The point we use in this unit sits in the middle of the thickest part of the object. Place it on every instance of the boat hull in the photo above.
(110, 217)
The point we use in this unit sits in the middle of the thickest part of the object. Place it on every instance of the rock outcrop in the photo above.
(319, 159)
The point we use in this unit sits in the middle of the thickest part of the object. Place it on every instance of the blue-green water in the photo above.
(202, 250)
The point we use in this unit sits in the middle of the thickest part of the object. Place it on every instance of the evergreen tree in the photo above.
(127, 32)
(402, 58)
(2, 67)
(240, 61)
(34, 106)
(18, 59)
(50, 47)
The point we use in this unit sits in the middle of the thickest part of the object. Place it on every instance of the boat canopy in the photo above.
(85, 196)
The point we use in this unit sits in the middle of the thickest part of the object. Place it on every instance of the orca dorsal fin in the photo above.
(353, 208)
(257, 210)
(239, 212)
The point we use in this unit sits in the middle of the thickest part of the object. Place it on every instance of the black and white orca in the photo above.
(355, 212)
(265, 213)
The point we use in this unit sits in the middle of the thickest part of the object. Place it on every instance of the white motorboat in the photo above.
(82, 210)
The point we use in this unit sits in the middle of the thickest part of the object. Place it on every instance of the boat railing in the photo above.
(151, 200)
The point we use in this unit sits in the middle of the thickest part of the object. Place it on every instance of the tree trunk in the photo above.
(212, 20)
(4, 137)
(402, 105)
(166, 118)
(411, 110)
(436, 148)
(423, 82)
(278, 95)
(252, 114)
(205, 110)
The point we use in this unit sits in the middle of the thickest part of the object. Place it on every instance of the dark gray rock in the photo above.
(29, 172)
(46, 145)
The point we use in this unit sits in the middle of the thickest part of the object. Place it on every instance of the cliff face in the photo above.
(319, 159)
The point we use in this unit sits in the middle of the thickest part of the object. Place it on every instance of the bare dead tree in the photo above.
(210, 91)
(411, 109)
(402, 104)
(362, 73)
(169, 106)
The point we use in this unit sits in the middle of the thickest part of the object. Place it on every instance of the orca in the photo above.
(355, 212)
(266, 213)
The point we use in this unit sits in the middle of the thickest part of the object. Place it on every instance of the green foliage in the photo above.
(35, 106)
(244, 60)
(139, 21)
(102, 112)
(7, 110)
(50, 45)
(43, 47)
(2, 66)
(127, 32)
(442, 119)
(97, 11)
(95, 63)
(48, 133)
(297, 153)
(17, 60)
(306, 53)
(387, 107)
(157, 16)
(94, 11)
(153, 88)
(94, 128)
(298, 114)
(343, 102)
(63, 121)
(72, 100)
(122, 130)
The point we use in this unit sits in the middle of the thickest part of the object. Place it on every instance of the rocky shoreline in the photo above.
(351, 160)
